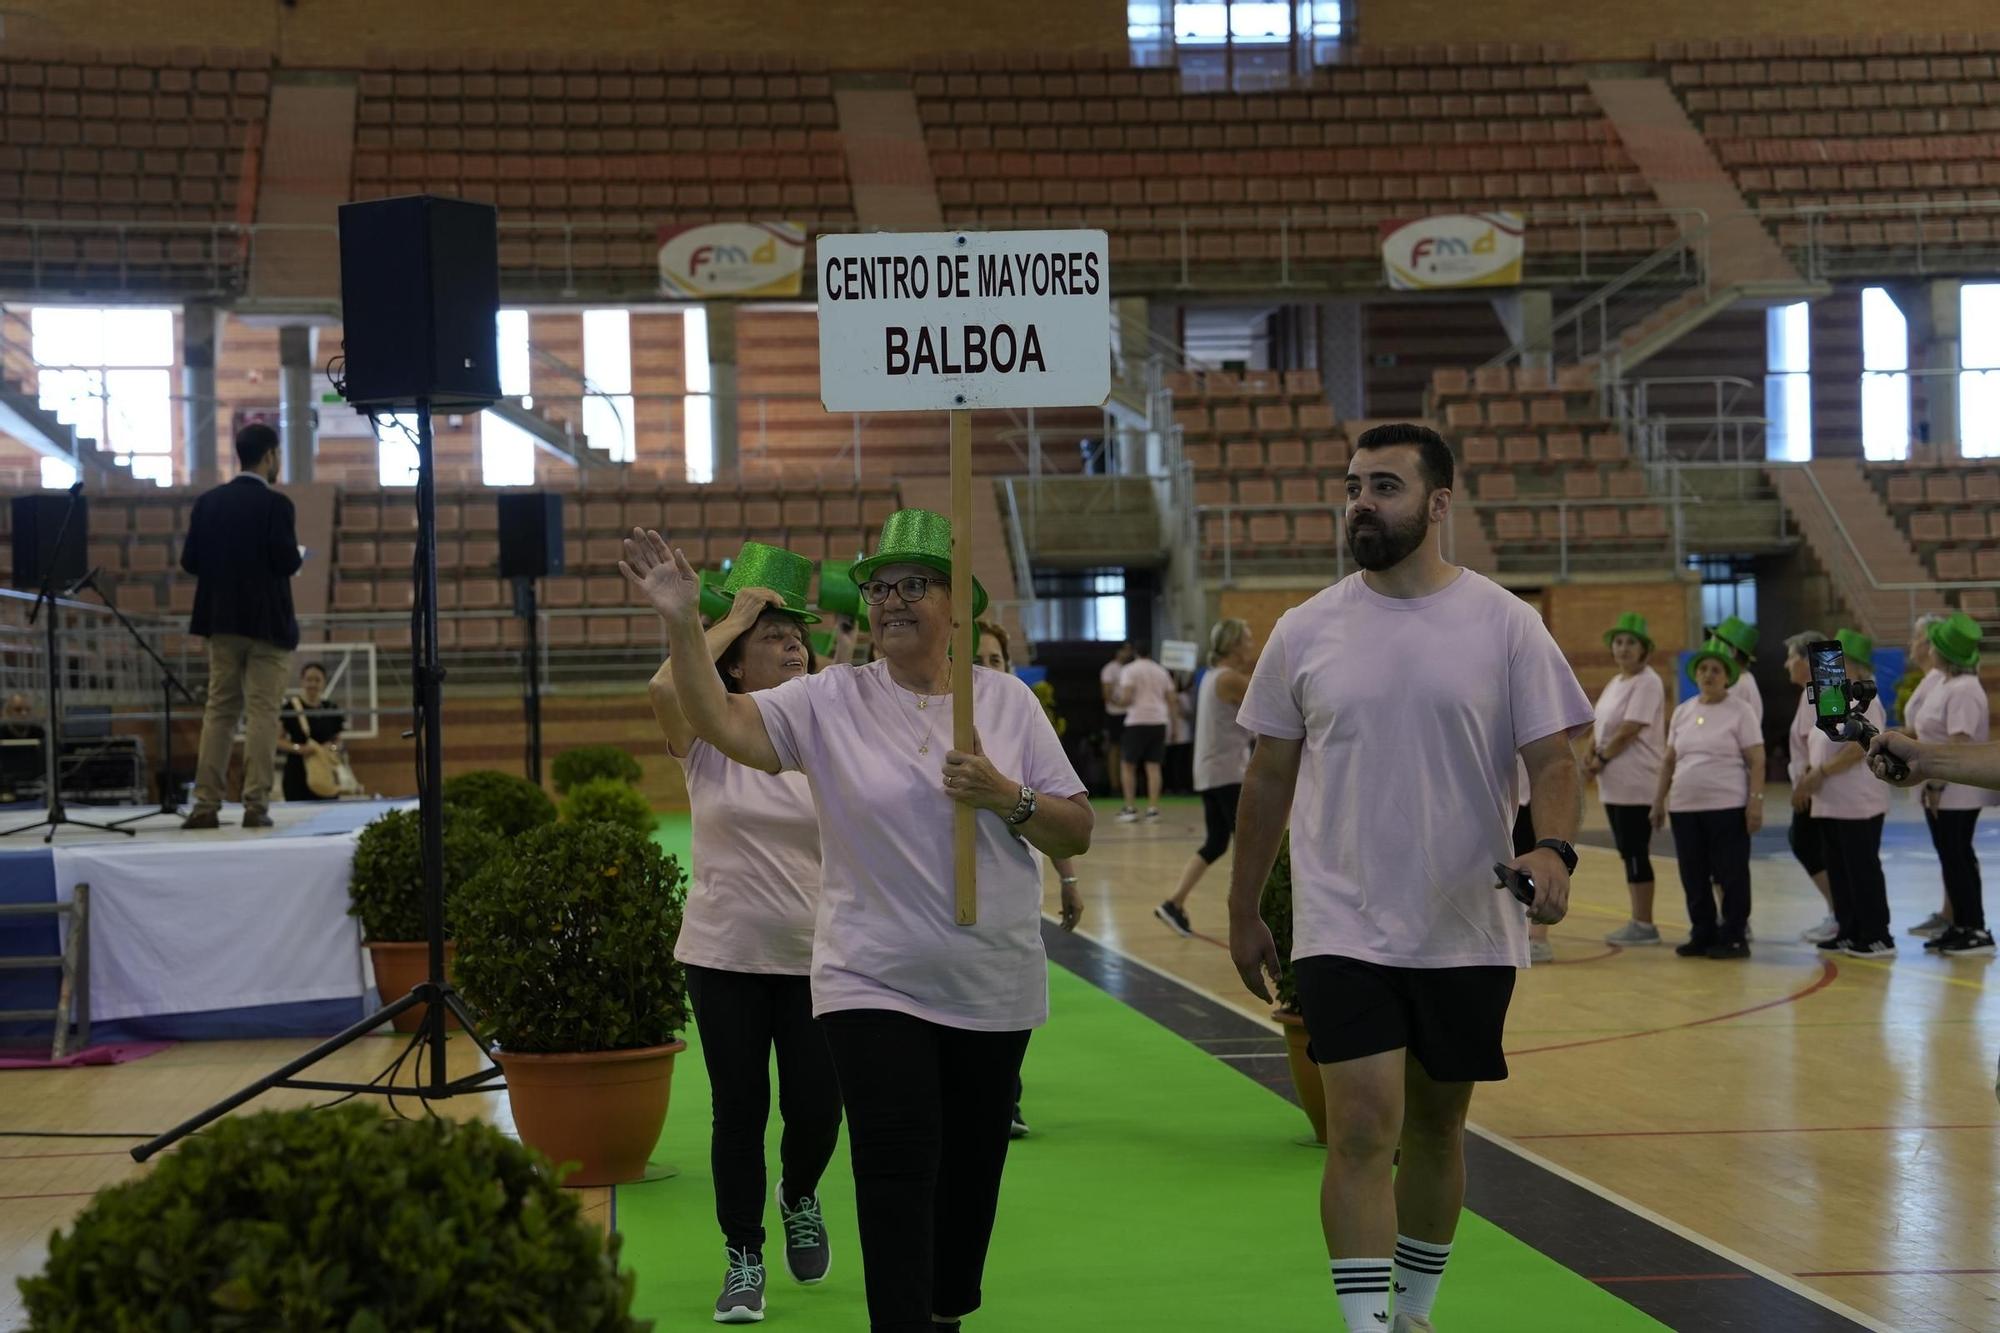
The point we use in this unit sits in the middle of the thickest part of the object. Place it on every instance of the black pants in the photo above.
(1714, 848)
(927, 1128)
(1807, 842)
(1218, 811)
(1854, 877)
(1951, 834)
(742, 1015)
(1632, 834)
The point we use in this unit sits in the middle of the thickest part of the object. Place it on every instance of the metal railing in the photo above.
(1917, 236)
(1866, 571)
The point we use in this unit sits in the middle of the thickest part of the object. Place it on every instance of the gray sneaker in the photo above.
(1634, 934)
(1931, 926)
(1541, 951)
(742, 1298)
(1412, 1323)
(807, 1257)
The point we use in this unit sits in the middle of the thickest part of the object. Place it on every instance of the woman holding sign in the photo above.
(928, 1020)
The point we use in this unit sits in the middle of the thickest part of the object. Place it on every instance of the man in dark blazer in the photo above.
(243, 548)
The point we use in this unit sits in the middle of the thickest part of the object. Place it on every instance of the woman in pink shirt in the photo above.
(1847, 809)
(1628, 744)
(1711, 787)
(928, 1019)
(1803, 835)
(1923, 659)
(747, 934)
(1955, 710)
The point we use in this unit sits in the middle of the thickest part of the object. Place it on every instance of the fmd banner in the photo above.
(1453, 250)
(732, 259)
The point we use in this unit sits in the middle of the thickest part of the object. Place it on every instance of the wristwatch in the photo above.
(1563, 850)
(1024, 809)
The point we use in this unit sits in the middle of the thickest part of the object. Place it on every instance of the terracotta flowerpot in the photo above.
(600, 1109)
(1305, 1074)
(399, 967)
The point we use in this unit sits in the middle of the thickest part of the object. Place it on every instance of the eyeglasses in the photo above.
(910, 589)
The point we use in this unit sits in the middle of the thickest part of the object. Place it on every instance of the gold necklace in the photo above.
(923, 706)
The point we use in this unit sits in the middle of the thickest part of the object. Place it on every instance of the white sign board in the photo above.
(1177, 654)
(937, 321)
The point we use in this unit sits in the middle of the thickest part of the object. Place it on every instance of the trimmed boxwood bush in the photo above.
(504, 803)
(386, 887)
(1275, 906)
(565, 944)
(609, 801)
(336, 1221)
(575, 767)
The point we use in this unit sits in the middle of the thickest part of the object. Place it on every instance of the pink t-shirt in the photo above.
(1108, 679)
(887, 936)
(1708, 741)
(1413, 713)
(1147, 688)
(1954, 706)
(1745, 691)
(1799, 756)
(755, 884)
(1854, 793)
(1633, 776)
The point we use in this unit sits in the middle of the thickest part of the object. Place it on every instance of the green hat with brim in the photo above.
(1632, 623)
(714, 606)
(1736, 633)
(1718, 649)
(915, 537)
(1856, 647)
(1956, 639)
(786, 573)
(838, 594)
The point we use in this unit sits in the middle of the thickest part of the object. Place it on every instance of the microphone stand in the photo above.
(56, 816)
(169, 682)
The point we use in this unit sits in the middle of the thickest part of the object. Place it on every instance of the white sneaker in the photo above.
(1931, 926)
(1128, 816)
(1827, 929)
(1412, 1323)
(1541, 951)
(1634, 934)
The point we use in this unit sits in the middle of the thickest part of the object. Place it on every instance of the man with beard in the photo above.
(1393, 705)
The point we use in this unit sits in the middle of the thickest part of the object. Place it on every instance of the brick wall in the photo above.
(849, 33)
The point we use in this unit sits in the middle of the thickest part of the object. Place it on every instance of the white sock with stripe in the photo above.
(1419, 1269)
(1362, 1288)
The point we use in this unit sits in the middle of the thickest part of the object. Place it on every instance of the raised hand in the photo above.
(664, 576)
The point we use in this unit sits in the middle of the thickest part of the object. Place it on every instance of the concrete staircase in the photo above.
(1084, 522)
(888, 164)
(306, 172)
(1848, 531)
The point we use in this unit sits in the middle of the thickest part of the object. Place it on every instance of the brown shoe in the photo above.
(201, 819)
(257, 819)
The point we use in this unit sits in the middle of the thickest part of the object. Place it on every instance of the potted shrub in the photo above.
(385, 890)
(565, 949)
(610, 801)
(335, 1219)
(504, 803)
(575, 767)
(1276, 908)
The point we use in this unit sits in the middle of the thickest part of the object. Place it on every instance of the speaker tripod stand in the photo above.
(434, 994)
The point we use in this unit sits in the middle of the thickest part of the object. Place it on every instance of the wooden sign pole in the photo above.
(964, 642)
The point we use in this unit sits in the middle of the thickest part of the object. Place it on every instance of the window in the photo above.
(396, 448)
(506, 452)
(698, 420)
(1788, 383)
(1728, 588)
(1979, 380)
(1240, 43)
(108, 373)
(607, 364)
(1885, 382)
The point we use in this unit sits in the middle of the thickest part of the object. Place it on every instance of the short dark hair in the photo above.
(253, 442)
(733, 654)
(1433, 454)
(316, 666)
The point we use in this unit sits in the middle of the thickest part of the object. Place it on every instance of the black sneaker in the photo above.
(1838, 944)
(742, 1298)
(1694, 948)
(1176, 918)
(807, 1257)
(1960, 942)
(1739, 949)
(1883, 948)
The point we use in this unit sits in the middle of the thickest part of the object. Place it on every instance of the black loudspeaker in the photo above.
(420, 302)
(37, 520)
(531, 534)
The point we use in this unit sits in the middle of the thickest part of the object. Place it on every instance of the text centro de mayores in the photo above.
(970, 349)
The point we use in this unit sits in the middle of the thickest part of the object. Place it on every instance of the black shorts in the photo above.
(1144, 745)
(1808, 842)
(1114, 726)
(1452, 1019)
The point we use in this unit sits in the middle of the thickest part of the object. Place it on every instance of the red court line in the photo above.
(1677, 1277)
(1611, 951)
(1784, 1129)
(1827, 973)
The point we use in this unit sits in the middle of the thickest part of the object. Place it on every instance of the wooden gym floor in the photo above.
(1827, 1125)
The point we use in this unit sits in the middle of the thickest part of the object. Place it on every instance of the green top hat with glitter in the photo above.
(1956, 639)
(1856, 647)
(915, 537)
(1736, 633)
(786, 573)
(837, 593)
(1632, 623)
(1721, 651)
(714, 606)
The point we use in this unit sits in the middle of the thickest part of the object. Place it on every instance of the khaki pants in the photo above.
(243, 673)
